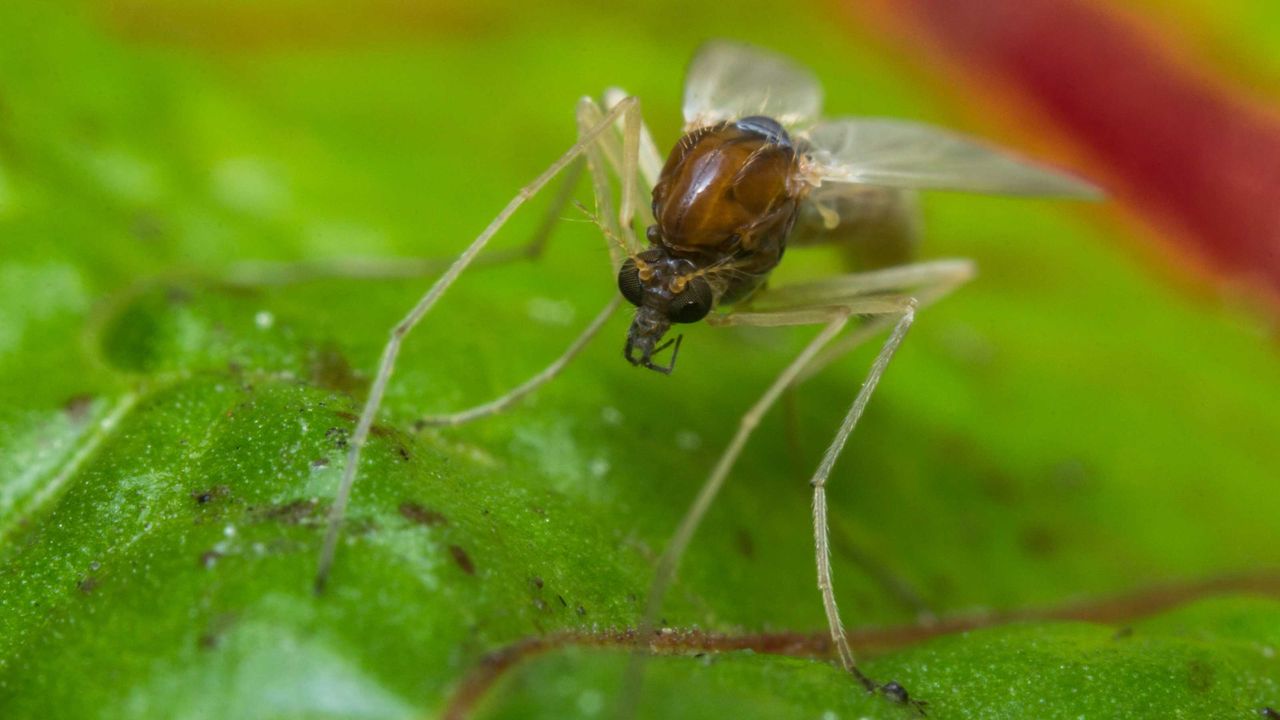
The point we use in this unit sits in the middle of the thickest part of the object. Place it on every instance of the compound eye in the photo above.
(629, 282)
(693, 304)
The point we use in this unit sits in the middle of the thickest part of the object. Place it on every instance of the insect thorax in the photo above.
(726, 200)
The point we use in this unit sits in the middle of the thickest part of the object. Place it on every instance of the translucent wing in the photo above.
(728, 80)
(874, 226)
(905, 154)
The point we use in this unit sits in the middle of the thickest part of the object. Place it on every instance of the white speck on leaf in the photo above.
(599, 467)
(550, 312)
(688, 440)
(590, 702)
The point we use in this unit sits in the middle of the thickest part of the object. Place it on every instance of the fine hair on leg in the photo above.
(821, 534)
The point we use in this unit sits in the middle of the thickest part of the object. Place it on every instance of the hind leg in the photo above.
(832, 303)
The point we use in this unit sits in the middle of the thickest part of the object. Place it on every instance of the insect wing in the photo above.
(875, 226)
(728, 80)
(905, 154)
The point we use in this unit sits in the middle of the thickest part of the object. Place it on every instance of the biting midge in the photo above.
(724, 204)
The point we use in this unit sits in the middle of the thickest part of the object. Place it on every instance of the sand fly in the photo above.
(756, 172)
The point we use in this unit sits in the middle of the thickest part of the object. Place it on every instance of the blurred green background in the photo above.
(1086, 419)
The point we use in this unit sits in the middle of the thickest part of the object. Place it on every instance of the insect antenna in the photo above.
(609, 234)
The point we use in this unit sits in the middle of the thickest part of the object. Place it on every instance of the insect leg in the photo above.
(668, 563)
(604, 150)
(843, 294)
(546, 375)
(255, 273)
(902, 308)
(927, 282)
(389, 352)
(630, 168)
(631, 155)
(821, 533)
(597, 155)
(650, 160)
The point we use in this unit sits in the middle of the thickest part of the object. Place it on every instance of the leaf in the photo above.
(1071, 425)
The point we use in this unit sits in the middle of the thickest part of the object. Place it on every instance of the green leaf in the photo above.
(1073, 424)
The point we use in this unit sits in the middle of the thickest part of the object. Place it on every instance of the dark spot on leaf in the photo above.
(538, 511)
(294, 512)
(376, 430)
(146, 227)
(1269, 713)
(177, 295)
(537, 582)
(209, 558)
(320, 463)
(745, 545)
(88, 584)
(77, 407)
(1037, 541)
(1123, 633)
(331, 370)
(338, 436)
(403, 452)
(561, 599)
(204, 497)
(415, 513)
(942, 587)
(463, 560)
(999, 487)
(218, 627)
(134, 340)
(1071, 474)
(968, 457)
(1199, 676)
(357, 526)
(582, 611)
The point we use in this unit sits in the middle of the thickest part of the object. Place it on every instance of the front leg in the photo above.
(391, 350)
